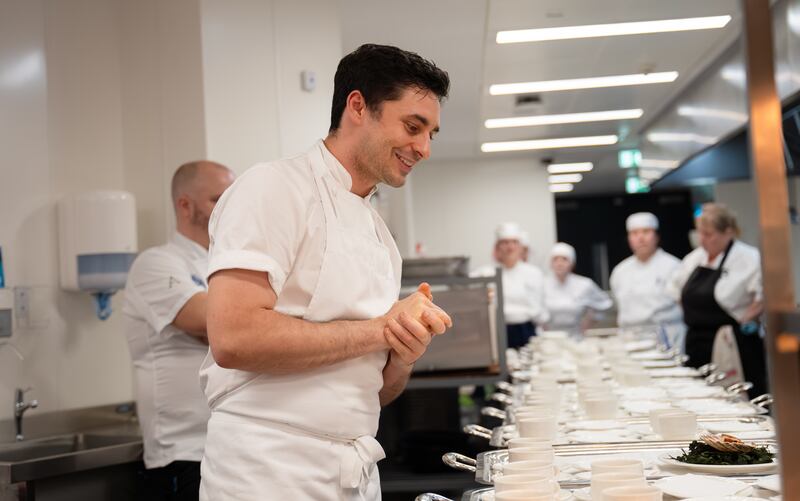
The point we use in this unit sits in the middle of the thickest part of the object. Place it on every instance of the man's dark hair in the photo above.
(381, 73)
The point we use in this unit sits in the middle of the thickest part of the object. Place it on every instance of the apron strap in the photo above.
(358, 460)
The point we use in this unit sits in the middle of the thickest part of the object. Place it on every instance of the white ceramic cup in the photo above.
(545, 427)
(648, 493)
(531, 454)
(541, 483)
(525, 495)
(532, 443)
(598, 407)
(677, 426)
(530, 467)
(603, 481)
(618, 465)
(654, 415)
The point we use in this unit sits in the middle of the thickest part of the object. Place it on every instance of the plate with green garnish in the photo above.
(723, 455)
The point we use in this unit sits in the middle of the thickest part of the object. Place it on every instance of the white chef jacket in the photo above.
(639, 288)
(329, 256)
(740, 283)
(523, 293)
(568, 302)
(170, 405)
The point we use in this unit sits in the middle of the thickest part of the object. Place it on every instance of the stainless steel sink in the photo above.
(30, 460)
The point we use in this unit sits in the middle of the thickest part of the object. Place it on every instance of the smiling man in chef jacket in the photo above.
(308, 338)
(639, 282)
(165, 324)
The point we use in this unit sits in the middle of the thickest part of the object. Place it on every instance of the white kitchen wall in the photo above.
(253, 54)
(116, 94)
(456, 206)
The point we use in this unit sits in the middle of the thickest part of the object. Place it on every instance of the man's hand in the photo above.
(411, 324)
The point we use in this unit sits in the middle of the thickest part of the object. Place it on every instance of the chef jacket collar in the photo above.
(195, 250)
(339, 172)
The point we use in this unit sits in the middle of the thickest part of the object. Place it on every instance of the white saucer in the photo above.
(689, 485)
(719, 469)
(770, 483)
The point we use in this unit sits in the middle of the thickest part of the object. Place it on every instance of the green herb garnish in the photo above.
(701, 453)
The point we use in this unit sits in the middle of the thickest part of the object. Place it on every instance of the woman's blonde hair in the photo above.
(719, 217)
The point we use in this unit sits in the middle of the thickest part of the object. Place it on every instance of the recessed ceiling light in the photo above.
(655, 163)
(583, 83)
(570, 167)
(564, 178)
(697, 111)
(543, 144)
(680, 137)
(561, 188)
(567, 118)
(613, 29)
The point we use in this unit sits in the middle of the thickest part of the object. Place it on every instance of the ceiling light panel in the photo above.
(583, 83)
(567, 118)
(543, 144)
(561, 188)
(680, 137)
(570, 167)
(612, 29)
(564, 178)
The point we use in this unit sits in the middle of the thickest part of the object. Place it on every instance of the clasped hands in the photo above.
(411, 324)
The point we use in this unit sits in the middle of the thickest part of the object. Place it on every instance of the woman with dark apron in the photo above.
(700, 293)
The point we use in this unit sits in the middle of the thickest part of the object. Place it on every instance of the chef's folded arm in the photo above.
(246, 333)
(191, 318)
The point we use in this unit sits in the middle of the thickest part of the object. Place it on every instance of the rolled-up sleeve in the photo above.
(257, 224)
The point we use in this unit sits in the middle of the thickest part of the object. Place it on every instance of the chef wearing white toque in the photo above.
(523, 287)
(570, 299)
(638, 282)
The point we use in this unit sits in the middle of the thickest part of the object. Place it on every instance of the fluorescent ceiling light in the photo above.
(655, 163)
(583, 83)
(651, 174)
(561, 188)
(568, 118)
(564, 178)
(697, 111)
(572, 167)
(612, 30)
(680, 137)
(543, 144)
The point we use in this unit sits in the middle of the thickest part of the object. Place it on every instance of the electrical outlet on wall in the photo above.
(30, 307)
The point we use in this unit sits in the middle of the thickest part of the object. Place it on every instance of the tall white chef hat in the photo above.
(563, 250)
(641, 221)
(508, 231)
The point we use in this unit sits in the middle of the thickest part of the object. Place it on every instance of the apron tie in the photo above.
(358, 460)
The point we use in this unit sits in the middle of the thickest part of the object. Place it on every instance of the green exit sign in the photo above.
(634, 184)
(629, 158)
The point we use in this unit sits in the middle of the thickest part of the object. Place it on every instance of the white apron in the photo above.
(310, 436)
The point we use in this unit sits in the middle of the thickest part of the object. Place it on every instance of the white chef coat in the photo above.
(329, 256)
(740, 283)
(640, 290)
(523, 293)
(568, 302)
(170, 405)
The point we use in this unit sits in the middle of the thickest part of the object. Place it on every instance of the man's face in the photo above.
(643, 242)
(508, 251)
(208, 187)
(398, 137)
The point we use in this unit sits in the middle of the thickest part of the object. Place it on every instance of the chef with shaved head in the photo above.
(165, 324)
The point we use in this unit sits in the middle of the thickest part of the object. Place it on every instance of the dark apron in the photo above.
(519, 334)
(704, 316)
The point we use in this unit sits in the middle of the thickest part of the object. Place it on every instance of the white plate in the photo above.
(770, 483)
(596, 425)
(723, 498)
(696, 391)
(687, 486)
(720, 469)
(732, 426)
(563, 495)
(658, 364)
